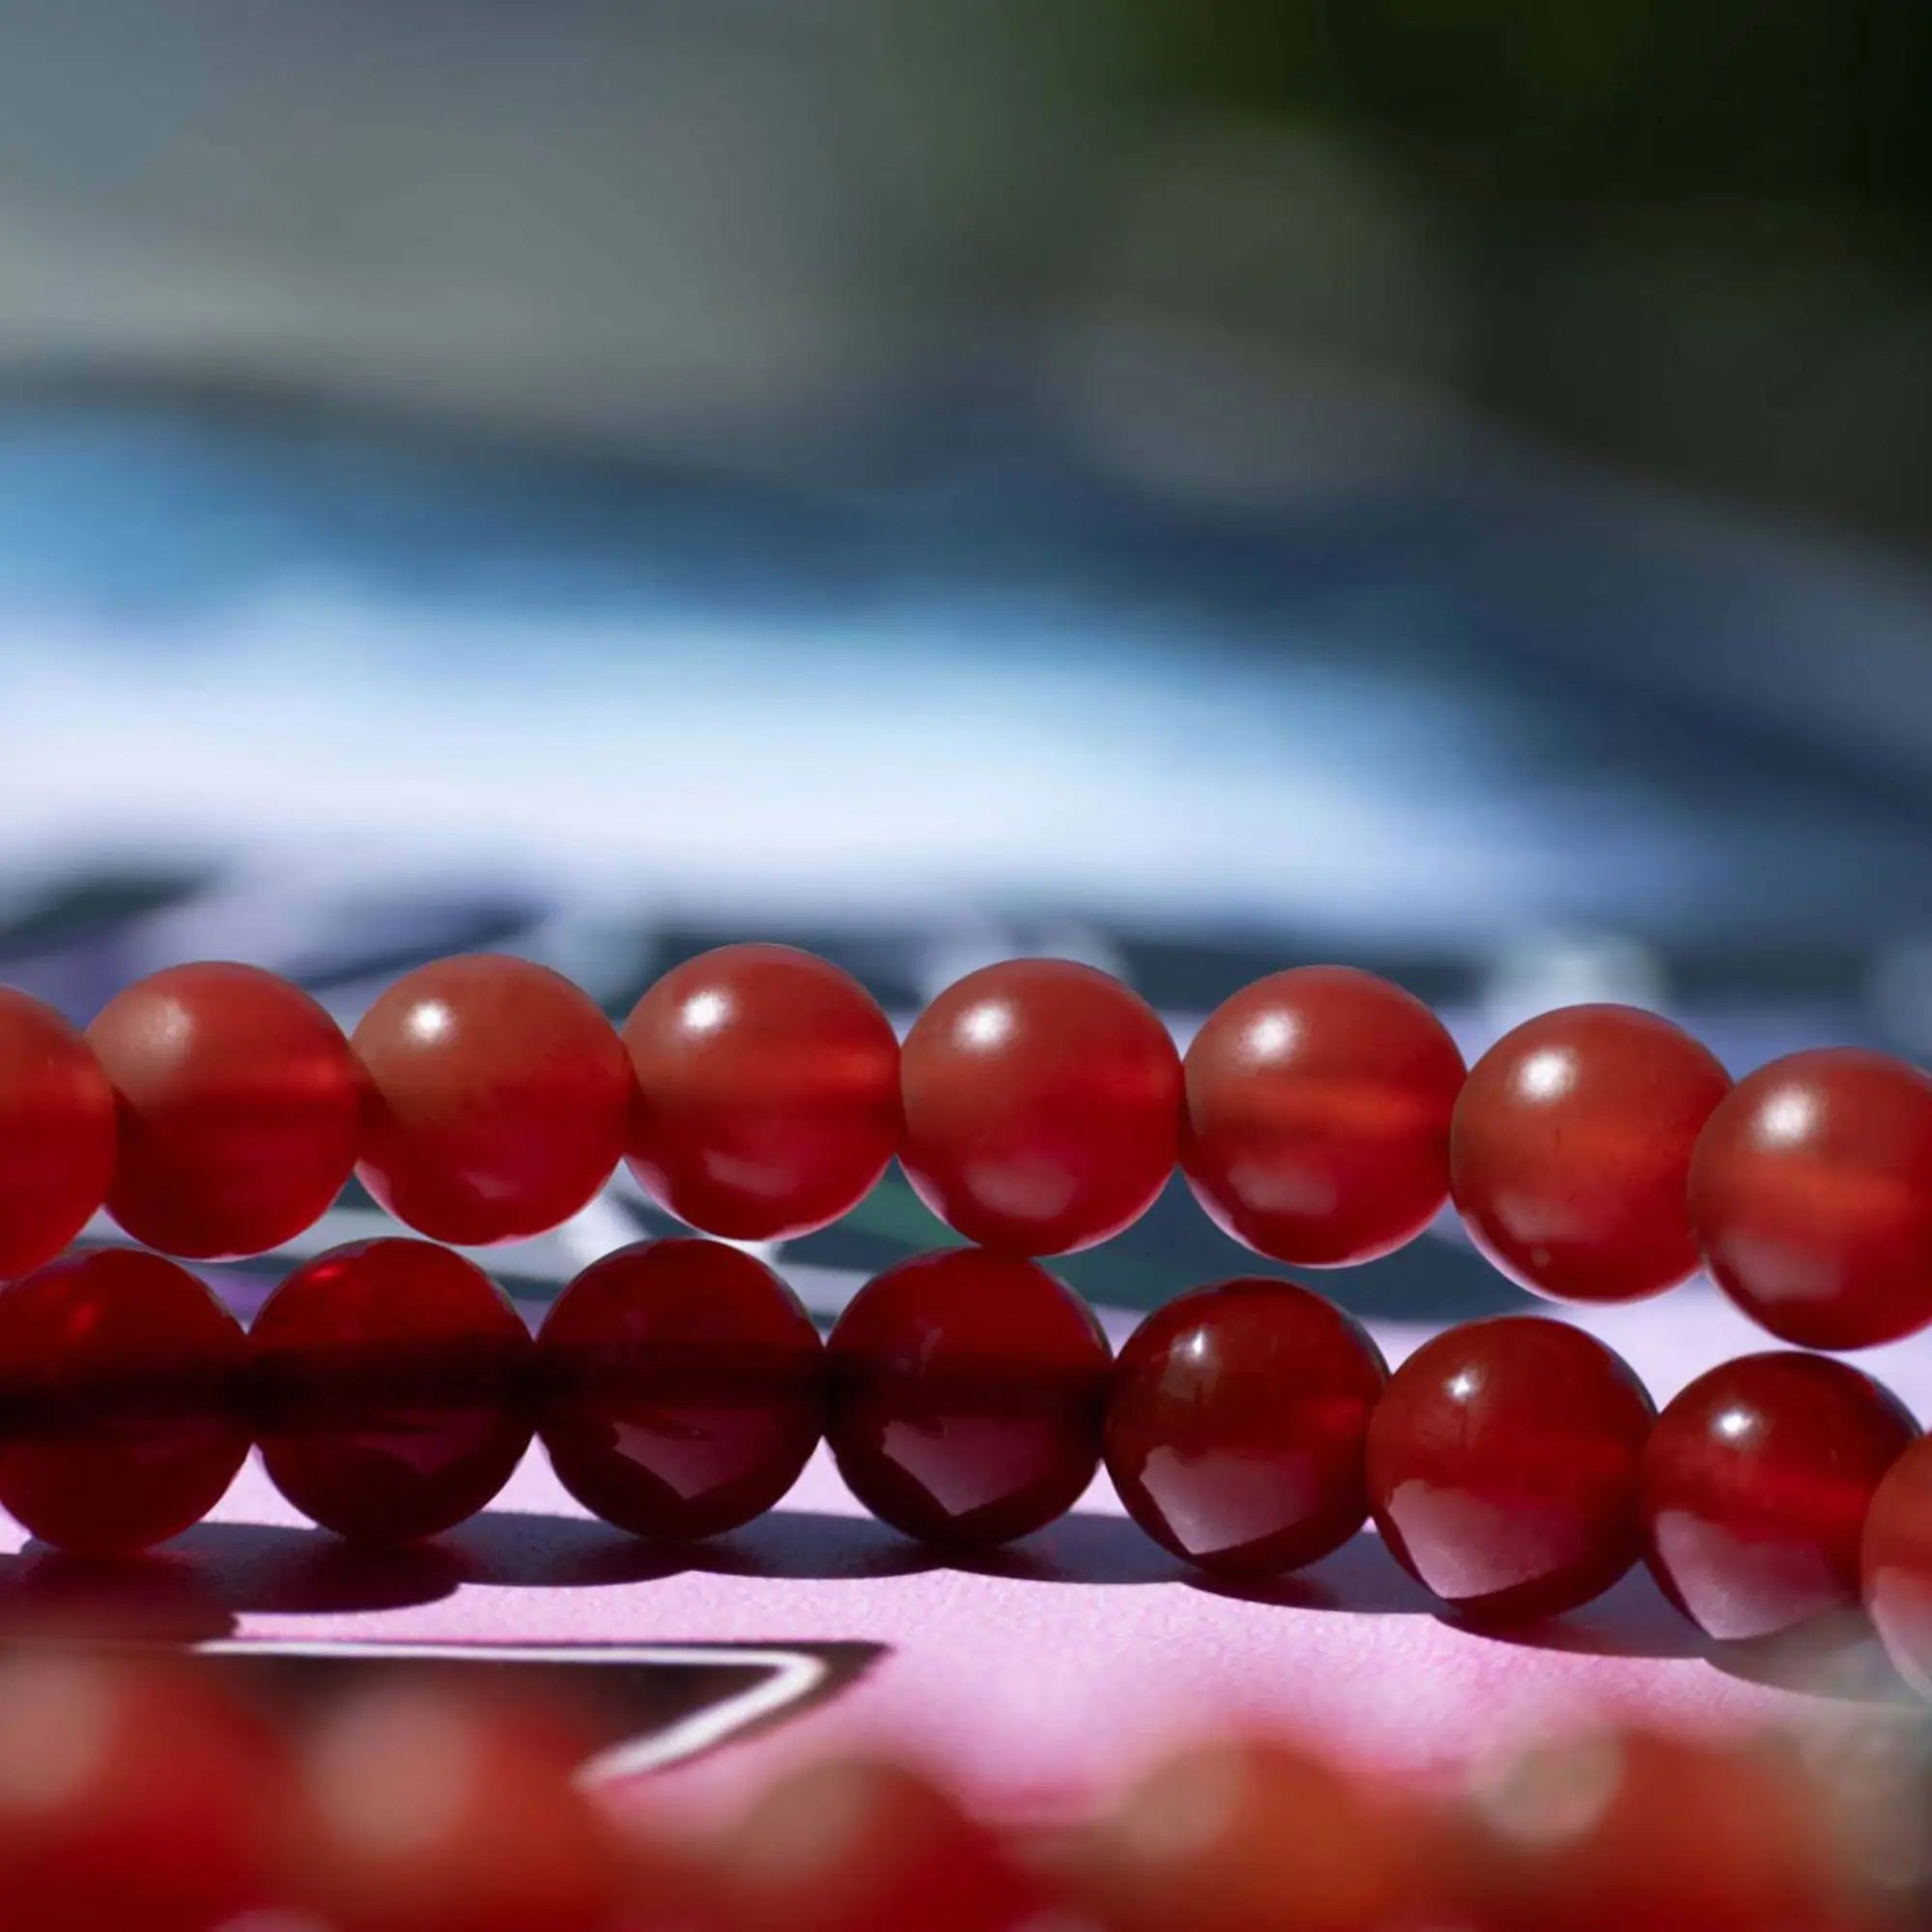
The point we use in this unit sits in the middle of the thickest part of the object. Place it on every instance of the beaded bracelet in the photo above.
(1322, 1116)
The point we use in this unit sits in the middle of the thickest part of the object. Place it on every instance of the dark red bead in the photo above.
(683, 1388)
(240, 1109)
(56, 1133)
(1317, 1127)
(1897, 1561)
(392, 1386)
(967, 1390)
(122, 1418)
(1756, 1480)
(1043, 1106)
(1236, 1425)
(1503, 1466)
(1569, 1148)
(1811, 1193)
(768, 1091)
(499, 1099)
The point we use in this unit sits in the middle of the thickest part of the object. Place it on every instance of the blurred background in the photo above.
(1442, 484)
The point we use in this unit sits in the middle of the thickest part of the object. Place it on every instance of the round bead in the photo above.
(1811, 1193)
(767, 1092)
(967, 1390)
(1316, 1125)
(498, 1101)
(391, 1387)
(683, 1388)
(1569, 1148)
(1236, 1425)
(1897, 1561)
(56, 1133)
(1503, 1464)
(1043, 1104)
(1756, 1480)
(240, 1109)
(121, 1384)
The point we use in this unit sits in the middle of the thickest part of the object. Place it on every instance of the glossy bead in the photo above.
(767, 1092)
(1897, 1561)
(240, 1109)
(1503, 1464)
(683, 1388)
(499, 1099)
(1236, 1425)
(966, 1394)
(392, 1389)
(1569, 1148)
(121, 1392)
(56, 1133)
(1811, 1193)
(1756, 1480)
(1042, 1105)
(1316, 1126)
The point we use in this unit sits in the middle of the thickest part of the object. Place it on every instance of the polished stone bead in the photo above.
(56, 1133)
(1317, 1125)
(240, 1109)
(1896, 1563)
(682, 1388)
(1502, 1466)
(1236, 1425)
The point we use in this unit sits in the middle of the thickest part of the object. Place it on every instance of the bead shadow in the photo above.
(1631, 1618)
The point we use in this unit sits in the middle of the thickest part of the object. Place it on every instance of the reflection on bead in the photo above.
(1897, 1564)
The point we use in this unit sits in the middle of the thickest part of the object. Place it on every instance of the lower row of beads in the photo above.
(1516, 1466)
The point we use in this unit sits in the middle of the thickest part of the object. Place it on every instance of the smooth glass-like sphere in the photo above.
(56, 1133)
(1503, 1466)
(1043, 1106)
(1569, 1148)
(1897, 1561)
(1317, 1125)
(1236, 1425)
(767, 1092)
(122, 1393)
(683, 1388)
(240, 1109)
(1811, 1193)
(392, 1386)
(1756, 1480)
(499, 1099)
(966, 1394)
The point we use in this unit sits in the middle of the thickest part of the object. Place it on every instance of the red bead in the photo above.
(56, 1133)
(967, 1390)
(1897, 1564)
(1570, 1149)
(500, 1096)
(392, 1386)
(768, 1091)
(1756, 1480)
(121, 1392)
(1811, 1193)
(1236, 1425)
(683, 1388)
(1042, 1105)
(1503, 1466)
(240, 1109)
(1318, 1113)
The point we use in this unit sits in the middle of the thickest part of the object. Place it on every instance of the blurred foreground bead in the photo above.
(1570, 1144)
(131, 1798)
(1503, 1466)
(121, 1415)
(1236, 1422)
(1811, 1193)
(392, 1389)
(1317, 1125)
(868, 1846)
(1042, 1105)
(1897, 1564)
(683, 1388)
(56, 1133)
(1756, 1481)
(966, 1394)
(240, 1109)
(767, 1092)
(499, 1099)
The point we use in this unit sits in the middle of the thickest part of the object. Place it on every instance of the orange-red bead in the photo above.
(56, 1133)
